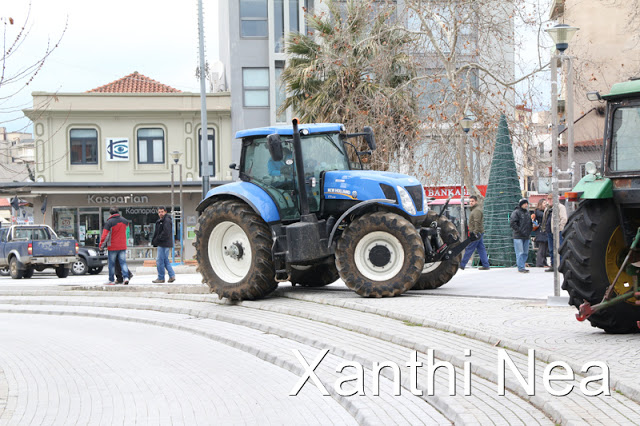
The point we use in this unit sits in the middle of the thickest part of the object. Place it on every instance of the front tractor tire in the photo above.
(436, 274)
(233, 250)
(380, 255)
(592, 253)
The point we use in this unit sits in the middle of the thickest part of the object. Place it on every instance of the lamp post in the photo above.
(175, 155)
(560, 34)
(466, 124)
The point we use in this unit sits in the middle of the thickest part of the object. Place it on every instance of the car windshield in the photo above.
(625, 144)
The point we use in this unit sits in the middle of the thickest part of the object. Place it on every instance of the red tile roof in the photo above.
(134, 83)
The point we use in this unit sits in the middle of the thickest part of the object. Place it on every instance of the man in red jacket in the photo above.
(114, 236)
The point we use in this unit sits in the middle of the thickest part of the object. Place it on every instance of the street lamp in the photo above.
(466, 124)
(561, 34)
(175, 155)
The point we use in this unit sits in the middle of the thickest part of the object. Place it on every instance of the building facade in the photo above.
(604, 51)
(251, 37)
(113, 146)
(16, 156)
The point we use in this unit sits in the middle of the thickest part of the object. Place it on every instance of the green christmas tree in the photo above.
(503, 194)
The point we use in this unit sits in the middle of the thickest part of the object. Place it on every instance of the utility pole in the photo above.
(205, 147)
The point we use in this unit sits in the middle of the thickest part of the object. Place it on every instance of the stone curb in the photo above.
(550, 407)
(541, 354)
(359, 410)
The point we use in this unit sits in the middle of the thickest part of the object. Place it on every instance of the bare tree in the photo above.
(14, 80)
(468, 69)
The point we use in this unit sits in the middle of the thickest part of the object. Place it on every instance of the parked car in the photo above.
(26, 248)
(90, 260)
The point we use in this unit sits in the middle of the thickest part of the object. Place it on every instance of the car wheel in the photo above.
(14, 270)
(4, 271)
(79, 267)
(95, 270)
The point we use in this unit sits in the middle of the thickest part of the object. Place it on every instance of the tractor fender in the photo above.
(257, 198)
(593, 187)
(351, 210)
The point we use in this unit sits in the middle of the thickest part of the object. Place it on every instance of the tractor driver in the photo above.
(275, 167)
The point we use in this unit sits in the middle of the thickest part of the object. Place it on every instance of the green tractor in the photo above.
(600, 261)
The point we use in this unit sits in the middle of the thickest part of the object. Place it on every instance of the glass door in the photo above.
(89, 228)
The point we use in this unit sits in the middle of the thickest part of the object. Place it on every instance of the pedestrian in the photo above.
(548, 219)
(163, 239)
(522, 226)
(476, 226)
(540, 237)
(114, 237)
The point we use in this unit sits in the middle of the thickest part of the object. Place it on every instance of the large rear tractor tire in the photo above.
(380, 255)
(233, 250)
(592, 253)
(436, 274)
(317, 275)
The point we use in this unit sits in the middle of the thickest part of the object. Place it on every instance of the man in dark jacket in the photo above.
(476, 226)
(116, 228)
(522, 226)
(163, 239)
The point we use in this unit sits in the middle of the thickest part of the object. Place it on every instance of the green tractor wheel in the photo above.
(592, 253)
(436, 274)
(233, 249)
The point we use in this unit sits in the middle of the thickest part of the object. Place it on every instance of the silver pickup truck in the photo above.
(25, 248)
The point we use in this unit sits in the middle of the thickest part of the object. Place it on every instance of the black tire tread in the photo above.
(14, 269)
(260, 280)
(316, 276)
(447, 269)
(586, 236)
(402, 229)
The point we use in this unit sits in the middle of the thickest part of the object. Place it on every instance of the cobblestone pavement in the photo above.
(56, 341)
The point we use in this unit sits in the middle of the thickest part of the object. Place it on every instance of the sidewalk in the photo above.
(503, 283)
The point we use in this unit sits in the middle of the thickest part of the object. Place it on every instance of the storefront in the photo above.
(80, 213)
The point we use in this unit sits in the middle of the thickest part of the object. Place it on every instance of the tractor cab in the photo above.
(268, 159)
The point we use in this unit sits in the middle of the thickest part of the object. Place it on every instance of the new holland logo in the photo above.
(339, 191)
(117, 149)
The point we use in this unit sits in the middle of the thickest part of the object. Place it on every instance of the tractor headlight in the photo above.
(425, 204)
(590, 168)
(406, 201)
(92, 252)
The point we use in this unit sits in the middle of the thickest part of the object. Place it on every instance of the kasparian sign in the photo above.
(108, 200)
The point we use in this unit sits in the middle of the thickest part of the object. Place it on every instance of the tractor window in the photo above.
(275, 177)
(625, 144)
(323, 152)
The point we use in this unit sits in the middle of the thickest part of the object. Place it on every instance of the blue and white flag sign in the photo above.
(117, 149)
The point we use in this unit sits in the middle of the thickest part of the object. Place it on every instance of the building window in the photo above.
(150, 146)
(212, 140)
(84, 146)
(253, 18)
(255, 82)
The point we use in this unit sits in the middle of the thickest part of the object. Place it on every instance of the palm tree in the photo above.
(349, 71)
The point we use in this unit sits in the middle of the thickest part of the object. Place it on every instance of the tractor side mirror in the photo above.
(371, 140)
(275, 147)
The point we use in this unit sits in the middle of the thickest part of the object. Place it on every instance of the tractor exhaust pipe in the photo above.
(302, 187)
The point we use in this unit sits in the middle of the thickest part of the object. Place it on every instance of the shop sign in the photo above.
(108, 200)
(117, 149)
(450, 191)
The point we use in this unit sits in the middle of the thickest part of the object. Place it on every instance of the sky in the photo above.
(106, 41)
(103, 42)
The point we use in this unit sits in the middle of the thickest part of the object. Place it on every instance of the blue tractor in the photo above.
(305, 211)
